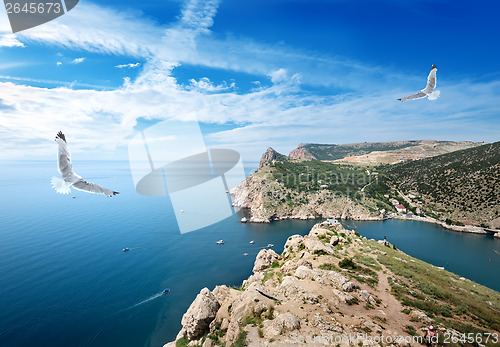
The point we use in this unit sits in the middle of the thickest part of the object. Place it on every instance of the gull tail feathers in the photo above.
(434, 95)
(60, 185)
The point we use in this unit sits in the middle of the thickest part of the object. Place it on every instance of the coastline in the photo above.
(306, 291)
(466, 228)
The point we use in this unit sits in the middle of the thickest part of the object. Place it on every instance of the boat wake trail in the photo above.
(118, 321)
(143, 301)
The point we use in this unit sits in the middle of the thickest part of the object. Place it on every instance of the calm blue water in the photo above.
(64, 280)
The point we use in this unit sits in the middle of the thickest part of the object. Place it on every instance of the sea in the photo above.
(65, 280)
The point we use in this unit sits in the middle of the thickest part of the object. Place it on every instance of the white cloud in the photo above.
(205, 85)
(59, 63)
(97, 29)
(10, 40)
(130, 65)
(280, 115)
(199, 14)
(78, 60)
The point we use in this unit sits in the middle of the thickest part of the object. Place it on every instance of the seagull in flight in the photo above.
(428, 90)
(69, 177)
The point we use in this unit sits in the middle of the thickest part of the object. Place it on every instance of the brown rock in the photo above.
(199, 315)
(267, 157)
(265, 258)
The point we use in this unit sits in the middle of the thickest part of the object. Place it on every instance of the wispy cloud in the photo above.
(130, 65)
(198, 14)
(78, 60)
(279, 112)
(10, 40)
(59, 63)
(205, 85)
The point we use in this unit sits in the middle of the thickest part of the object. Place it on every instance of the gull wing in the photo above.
(64, 157)
(418, 95)
(431, 81)
(93, 188)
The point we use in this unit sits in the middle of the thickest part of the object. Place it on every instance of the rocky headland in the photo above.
(334, 287)
(267, 199)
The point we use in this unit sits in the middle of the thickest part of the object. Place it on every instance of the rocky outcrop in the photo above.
(268, 157)
(420, 316)
(292, 289)
(265, 258)
(281, 324)
(200, 314)
(317, 247)
(301, 153)
(308, 293)
(266, 200)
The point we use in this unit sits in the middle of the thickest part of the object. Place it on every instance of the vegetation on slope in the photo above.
(334, 152)
(459, 185)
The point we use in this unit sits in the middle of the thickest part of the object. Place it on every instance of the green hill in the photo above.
(462, 185)
(334, 152)
(376, 153)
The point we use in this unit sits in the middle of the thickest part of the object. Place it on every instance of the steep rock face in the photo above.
(267, 157)
(301, 153)
(266, 200)
(200, 314)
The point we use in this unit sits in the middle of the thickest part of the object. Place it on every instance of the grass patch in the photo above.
(270, 313)
(347, 263)
(410, 329)
(252, 320)
(182, 342)
(328, 266)
(267, 275)
(241, 341)
(275, 265)
(320, 252)
(368, 261)
(439, 293)
(353, 301)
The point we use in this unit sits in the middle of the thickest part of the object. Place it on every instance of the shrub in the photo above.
(347, 263)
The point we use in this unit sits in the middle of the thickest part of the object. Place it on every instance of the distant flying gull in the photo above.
(428, 90)
(69, 177)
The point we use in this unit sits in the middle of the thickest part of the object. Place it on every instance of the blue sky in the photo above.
(255, 73)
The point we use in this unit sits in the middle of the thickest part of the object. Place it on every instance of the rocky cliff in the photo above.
(333, 287)
(268, 200)
(301, 153)
(268, 157)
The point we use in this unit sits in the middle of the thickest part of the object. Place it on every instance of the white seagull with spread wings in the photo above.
(69, 177)
(428, 90)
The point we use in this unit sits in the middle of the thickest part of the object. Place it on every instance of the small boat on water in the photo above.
(126, 249)
(270, 245)
(252, 242)
(245, 254)
(220, 242)
(166, 290)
